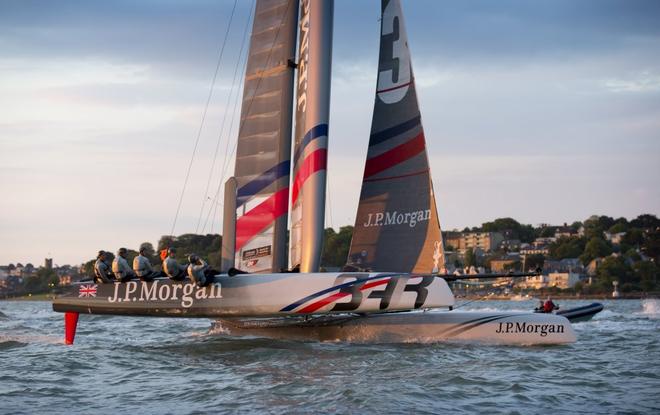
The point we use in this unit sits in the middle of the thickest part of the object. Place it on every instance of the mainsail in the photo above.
(311, 136)
(264, 139)
(397, 227)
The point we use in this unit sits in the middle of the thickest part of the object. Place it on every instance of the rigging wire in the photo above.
(225, 162)
(201, 125)
(222, 125)
(249, 106)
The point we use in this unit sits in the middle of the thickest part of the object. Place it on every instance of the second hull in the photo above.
(411, 327)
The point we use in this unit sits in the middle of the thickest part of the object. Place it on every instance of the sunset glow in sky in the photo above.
(544, 111)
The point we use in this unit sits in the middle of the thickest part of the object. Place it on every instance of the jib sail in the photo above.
(397, 227)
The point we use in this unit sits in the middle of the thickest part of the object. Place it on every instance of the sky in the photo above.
(544, 111)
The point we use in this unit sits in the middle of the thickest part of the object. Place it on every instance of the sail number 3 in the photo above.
(394, 81)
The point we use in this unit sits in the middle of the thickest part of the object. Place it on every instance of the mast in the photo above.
(264, 142)
(396, 227)
(311, 136)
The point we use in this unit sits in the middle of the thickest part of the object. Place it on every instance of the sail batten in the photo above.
(396, 227)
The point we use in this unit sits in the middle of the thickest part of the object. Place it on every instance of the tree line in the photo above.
(633, 261)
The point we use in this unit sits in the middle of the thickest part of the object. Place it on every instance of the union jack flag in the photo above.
(87, 291)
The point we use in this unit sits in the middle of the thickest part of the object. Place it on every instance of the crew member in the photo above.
(199, 271)
(102, 273)
(549, 306)
(120, 267)
(143, 268)
(172, 268)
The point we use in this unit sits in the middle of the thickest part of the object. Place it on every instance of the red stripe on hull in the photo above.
(321, 303)
(261, 216)
(334, 297)
(312, 163)
(395, 156)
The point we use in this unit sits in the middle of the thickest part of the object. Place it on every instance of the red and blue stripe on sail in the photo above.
(315, 161)
(263, 215)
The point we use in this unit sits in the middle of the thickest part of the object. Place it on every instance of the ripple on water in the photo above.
(180, 366)
(7, 343)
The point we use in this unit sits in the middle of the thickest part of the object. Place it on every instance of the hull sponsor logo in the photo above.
(397, 218)
(133, 291)
(530, 328)
(356, 290)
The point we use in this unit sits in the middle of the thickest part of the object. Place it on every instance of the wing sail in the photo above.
(264, 140)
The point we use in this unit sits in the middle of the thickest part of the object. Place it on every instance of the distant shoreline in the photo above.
(35, 297)
(626, 296)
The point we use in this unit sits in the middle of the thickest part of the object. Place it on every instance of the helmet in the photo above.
(192, 258)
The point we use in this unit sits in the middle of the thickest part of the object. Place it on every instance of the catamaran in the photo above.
(396, 286)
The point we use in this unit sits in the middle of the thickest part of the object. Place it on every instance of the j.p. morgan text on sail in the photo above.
(396, 218)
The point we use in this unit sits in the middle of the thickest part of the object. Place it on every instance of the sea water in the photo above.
(159, 366)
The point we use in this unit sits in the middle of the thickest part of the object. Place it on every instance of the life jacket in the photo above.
(548, 306)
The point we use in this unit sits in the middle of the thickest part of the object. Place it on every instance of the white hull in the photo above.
(261, 295)
(411, 327)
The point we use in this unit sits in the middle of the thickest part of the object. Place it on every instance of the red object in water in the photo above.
(70, 324)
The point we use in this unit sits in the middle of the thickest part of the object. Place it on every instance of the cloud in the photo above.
(547, 111)
(640, 83)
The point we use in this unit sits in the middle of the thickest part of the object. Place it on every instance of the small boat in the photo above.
(583, 313)
(577, 314)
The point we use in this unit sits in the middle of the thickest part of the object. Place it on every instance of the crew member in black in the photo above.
(102, 272)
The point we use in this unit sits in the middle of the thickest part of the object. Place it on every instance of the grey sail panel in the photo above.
(396, 227)
(264, 139)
